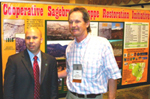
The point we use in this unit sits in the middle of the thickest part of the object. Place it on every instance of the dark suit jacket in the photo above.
(19, 80)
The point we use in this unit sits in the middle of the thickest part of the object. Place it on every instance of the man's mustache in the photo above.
(74, 28)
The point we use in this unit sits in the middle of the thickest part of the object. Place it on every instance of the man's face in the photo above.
(77, 26)
(33, 40)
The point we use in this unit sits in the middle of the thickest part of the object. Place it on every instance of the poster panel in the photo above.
(115, 24)
(135, 57)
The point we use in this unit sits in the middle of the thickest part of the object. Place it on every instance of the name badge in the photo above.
(77, 73)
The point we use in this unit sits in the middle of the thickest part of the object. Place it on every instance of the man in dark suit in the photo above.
(19, 76)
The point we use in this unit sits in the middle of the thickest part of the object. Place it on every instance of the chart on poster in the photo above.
(136, 34)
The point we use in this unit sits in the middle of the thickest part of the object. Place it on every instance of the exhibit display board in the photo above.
(126, 29)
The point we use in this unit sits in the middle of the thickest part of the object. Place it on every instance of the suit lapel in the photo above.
(44, 66)
(27, 63)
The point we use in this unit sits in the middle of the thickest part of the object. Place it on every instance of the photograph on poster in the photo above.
(111, 30)
(105, 29)
(117, 30)
(117, 47)
(58, 30)
(57, 48)
(11, 27)
(20, 42)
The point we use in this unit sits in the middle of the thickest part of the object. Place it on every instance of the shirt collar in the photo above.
(84, 42)
(31, 55)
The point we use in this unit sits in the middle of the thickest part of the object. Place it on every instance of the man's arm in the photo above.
(112, 88)
(62, 74)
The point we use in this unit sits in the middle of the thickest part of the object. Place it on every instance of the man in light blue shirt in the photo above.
(97, 67)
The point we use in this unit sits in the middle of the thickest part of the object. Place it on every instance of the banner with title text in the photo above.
(126, 29)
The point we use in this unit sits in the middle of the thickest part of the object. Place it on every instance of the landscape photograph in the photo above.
(111, 30)
(105, 30)
(57, 48)
(11, 27)
(58, 30)
(20, 42)
(117, 47)
(117, 30)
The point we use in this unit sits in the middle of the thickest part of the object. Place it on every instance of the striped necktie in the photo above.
(36, 79)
